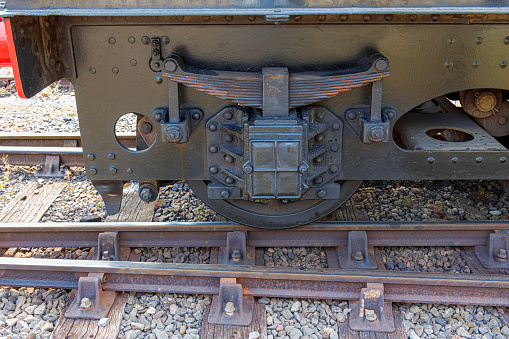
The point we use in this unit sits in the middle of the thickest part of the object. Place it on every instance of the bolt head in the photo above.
(196, 116)
(213, 169)
(503, 160)
(148, 194)
(213, 149)
(159, 80)
(170, 65)
(158, 116)
(111, 156)
(236, 255)
(85, 303)
(370, 315)
(145, 40)
(213, 127)
(229, 180)
(165, 40)
(322, 194)
(248, 168)
(454, 160)
(229, 309)
(225, 194)
(146, 127)
(391, 114)
(381, 64)
(376, 134)
(228, 115)
(173, 134)
(358, 256)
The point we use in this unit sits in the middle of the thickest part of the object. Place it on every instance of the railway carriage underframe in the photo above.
(275, 124)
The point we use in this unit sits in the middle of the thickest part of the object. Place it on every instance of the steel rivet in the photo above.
(129, 171)
(146, 127)
(213, 169)
(502, 120)
(435, 17)
(320, 115)
(319, 159)
(451, 40)
(228, 115)
(454, 160)
(412, 17)
(228, 18)
(335, 126)
(334, 147)
(366, 17)
(475, 64)
(113, 170)
(159, 80)
(388, 17)
(134, 62)
(114, 70)
(196, 116)
(213, 149)
(225, 194)
(228, 158)
(93, 171)
(321, 17)
(91, 157)
(503, 64)
(229, 180)
(145, 40)
(351, 115)
(448, 64)
(131, 40)
(503, 160)
(229, 309)
(479, 40)
(318, 180)
(296, 18)
(322, 194)
(111, 156)
(320, 137)
(333, 168)
(165, 39)
(112, 40)
(506, 40)
(431, 160)
(228, 138)
(391, 114)
(213, 127)
(478, 160)
(92, 70)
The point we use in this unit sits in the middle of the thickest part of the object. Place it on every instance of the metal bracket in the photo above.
(177, 130)
(231, 307)
(52, 168)
(371, 313)
(91, 302)
(236, 251)
(156, 60)
(356, 254)
(370, 131)
(494, 253)
(107, 247)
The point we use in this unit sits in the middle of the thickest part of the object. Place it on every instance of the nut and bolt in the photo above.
(106, 255)
(146, 127)
(236, 255)
(322, 194)
(173, 134)
(303, 169)
(503, 64)
(38, 168)
(229, 309)
(376, 134)
(503, 160)
(370, 315)
(85, 303)
(501, 255)
(247, 168)
(358, 256)
(129, 171)
(225, 194)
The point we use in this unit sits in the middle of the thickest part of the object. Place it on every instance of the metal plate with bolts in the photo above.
(107, 247)
(51, 169)
(91, 302)
(236, 251)
(371, 313)
(231, 307)
(356, 254)
(494, 253)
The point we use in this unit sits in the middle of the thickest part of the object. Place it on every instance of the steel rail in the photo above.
(259, 281)
(214, 234)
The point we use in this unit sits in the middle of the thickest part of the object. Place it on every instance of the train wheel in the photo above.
(274, 213)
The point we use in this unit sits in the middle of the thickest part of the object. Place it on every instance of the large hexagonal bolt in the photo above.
(229, 309)
(85, 303)
(376, 134)
(148, 193)
(173, 134)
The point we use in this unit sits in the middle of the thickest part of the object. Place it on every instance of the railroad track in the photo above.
(248, 277)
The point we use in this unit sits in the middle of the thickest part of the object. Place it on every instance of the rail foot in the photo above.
(231, 307)
(371, 313)
(91, 302)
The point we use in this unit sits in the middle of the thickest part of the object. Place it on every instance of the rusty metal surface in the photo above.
(262, 281)
(214, 234)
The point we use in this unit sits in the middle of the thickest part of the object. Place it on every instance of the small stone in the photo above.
(295, 333)
(463, 332)
(419, 329)
(295, 306)
(264, 300)
(254, 335)
(287, 314)
(160, 334)
(334, 335)
(413, 335)
(48, 327)
(39, 310)
(150, 310)
(103, 322)
(137, 326)
(11, 322)
(183, 329)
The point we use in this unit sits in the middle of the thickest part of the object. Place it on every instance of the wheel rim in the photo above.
(274, 213)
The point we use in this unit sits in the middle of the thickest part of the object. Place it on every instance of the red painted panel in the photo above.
(5, 60)
(13, 56)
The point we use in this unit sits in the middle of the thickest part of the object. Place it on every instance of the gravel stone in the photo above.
(103, 322)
